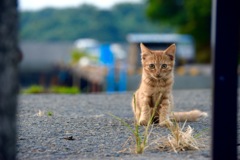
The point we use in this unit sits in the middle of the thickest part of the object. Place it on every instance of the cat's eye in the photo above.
(164, 66)
(151, 66)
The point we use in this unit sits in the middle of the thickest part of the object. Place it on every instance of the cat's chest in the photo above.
(152, 87)
(157, 90)
(155, 97)
(154, 91)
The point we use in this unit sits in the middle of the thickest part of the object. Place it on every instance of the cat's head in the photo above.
(158, 63)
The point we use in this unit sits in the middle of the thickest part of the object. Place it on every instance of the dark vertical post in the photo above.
(225, 49)
(9, 57)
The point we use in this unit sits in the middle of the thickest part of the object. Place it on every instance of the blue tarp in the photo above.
(115, 80)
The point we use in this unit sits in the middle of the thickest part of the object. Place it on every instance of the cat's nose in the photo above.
(158, 75)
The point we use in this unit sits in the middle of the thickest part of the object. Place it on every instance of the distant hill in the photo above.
(87, 21)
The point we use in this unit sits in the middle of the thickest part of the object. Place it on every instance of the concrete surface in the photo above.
(79, 127)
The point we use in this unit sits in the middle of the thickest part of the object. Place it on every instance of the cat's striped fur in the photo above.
(157, 81)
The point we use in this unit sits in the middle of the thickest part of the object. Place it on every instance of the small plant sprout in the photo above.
(50, 113)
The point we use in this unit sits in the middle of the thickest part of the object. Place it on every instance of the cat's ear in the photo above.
(144, 51)
(170, 51)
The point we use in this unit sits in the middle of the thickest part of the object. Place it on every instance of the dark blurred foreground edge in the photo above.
(9, 58)
(225, 48)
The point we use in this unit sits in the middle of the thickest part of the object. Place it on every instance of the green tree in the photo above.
(86, 21)
(188, 17)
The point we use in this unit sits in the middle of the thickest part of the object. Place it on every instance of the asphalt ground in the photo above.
(79, 127)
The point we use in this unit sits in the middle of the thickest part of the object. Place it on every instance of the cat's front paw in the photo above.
(143, 122)
(165, 123)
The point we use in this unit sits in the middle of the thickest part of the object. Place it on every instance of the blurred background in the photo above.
(82, 46)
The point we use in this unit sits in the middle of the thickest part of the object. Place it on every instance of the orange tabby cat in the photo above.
(157, 81)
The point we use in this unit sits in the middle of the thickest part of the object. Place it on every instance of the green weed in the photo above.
(64, 90)
(34, 89)
(50, 113)
(140, 139)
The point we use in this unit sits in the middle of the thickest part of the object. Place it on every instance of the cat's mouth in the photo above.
(157, 77)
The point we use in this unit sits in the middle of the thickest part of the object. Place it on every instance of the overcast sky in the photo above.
(39, 4)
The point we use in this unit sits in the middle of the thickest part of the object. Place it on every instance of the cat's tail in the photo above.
(193, 115)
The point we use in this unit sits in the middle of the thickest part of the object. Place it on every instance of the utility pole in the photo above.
(225, 50)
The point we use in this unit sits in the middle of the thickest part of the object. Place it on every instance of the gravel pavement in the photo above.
(78, 127)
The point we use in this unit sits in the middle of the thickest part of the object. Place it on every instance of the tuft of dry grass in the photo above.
(40, 113)
(179, 139)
